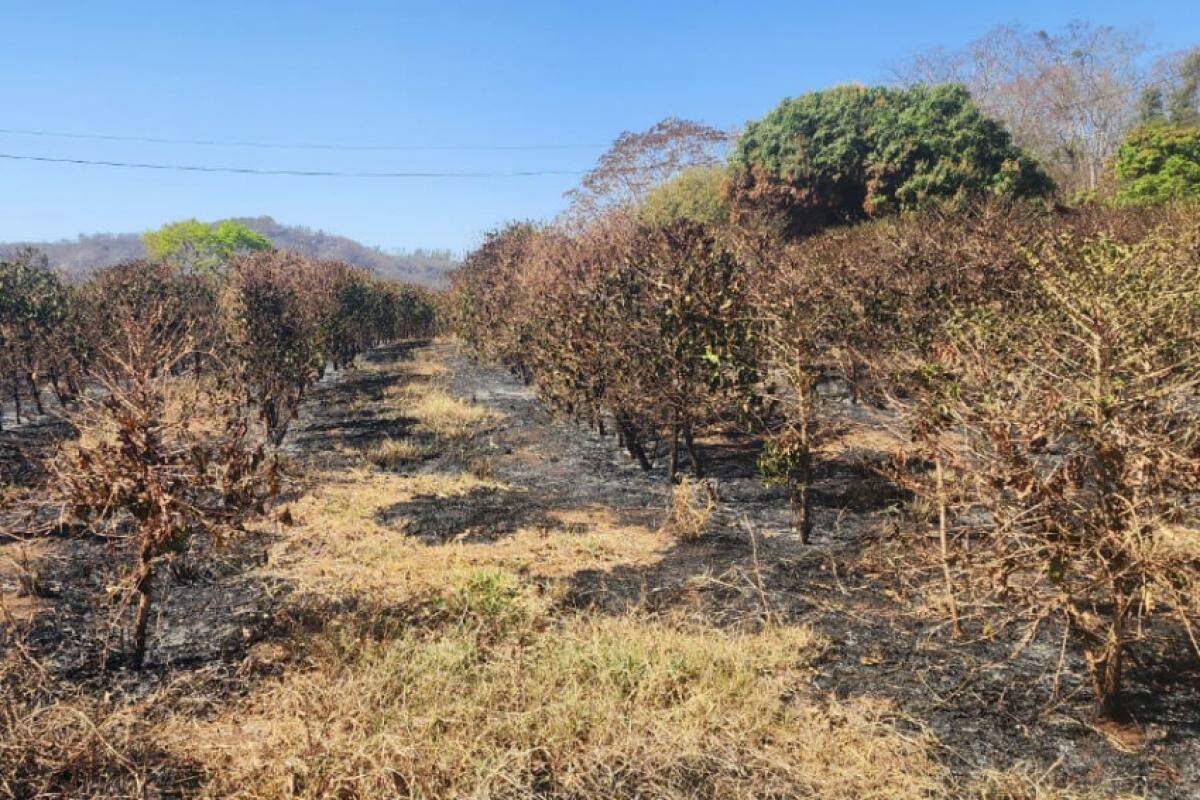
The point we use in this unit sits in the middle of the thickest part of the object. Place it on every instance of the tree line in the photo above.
(1039, 355)
(177, 379)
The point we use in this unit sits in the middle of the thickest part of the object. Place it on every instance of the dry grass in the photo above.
(448, 417)
(691, 508)
(585, 708)
(425, 364)
(23, 589)
(1023, 782)
(340, 545)
(397, 453)
(568, 542)
(70, 744)
(437, 412)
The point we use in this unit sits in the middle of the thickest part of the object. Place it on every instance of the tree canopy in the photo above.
(1067, 96)
(1159, 163)
(197, 246)
(853, 152)
(696, 194)
(638, 162)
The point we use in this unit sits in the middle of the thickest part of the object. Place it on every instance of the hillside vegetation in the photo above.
(87, 253)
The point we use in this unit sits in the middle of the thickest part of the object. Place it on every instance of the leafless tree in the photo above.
(638, 162)
(1173, 91)
(1069, 97)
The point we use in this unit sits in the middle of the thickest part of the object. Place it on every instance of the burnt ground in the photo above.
(988, 708)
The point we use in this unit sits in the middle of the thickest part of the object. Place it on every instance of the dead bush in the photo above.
(693, 501)
(159, 459)
(1072, 440)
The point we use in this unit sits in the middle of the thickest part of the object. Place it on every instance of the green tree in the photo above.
(1151, 105)
(696, 195)
(1159, 163)
(1184, 105)
(200, 247)
(853, 152)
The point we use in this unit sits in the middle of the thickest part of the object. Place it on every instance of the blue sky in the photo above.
(446, 73)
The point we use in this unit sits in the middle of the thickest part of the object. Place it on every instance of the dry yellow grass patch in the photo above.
(339, 545)
(576, 540)
(396, 453)
(425, 364)
(66, 743)
(22, 566)
(590, 708)
(437, 412)
(448, 417)
(1024, 782)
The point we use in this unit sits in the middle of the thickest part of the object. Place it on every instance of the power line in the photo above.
(364, 148)
(303, 173)
(295, 145)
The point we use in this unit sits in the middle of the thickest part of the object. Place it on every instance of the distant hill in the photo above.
(78, 257)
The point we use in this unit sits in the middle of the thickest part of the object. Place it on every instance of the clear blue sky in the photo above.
(446, 73)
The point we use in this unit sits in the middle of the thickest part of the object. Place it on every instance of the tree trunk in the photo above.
(1106, 660)
(802, 509)
(56, 384)
(31, 380)
(951, 600)
(16, 396)
(633, 445)
(693, 453)
(673, 455)
(145, 589)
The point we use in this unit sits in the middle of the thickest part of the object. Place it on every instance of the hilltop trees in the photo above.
(853, 152)
(195, 246)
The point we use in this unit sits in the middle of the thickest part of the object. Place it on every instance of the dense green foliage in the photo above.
(854, 152)
(1159, 163)
(196, 246)
(697, 195)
